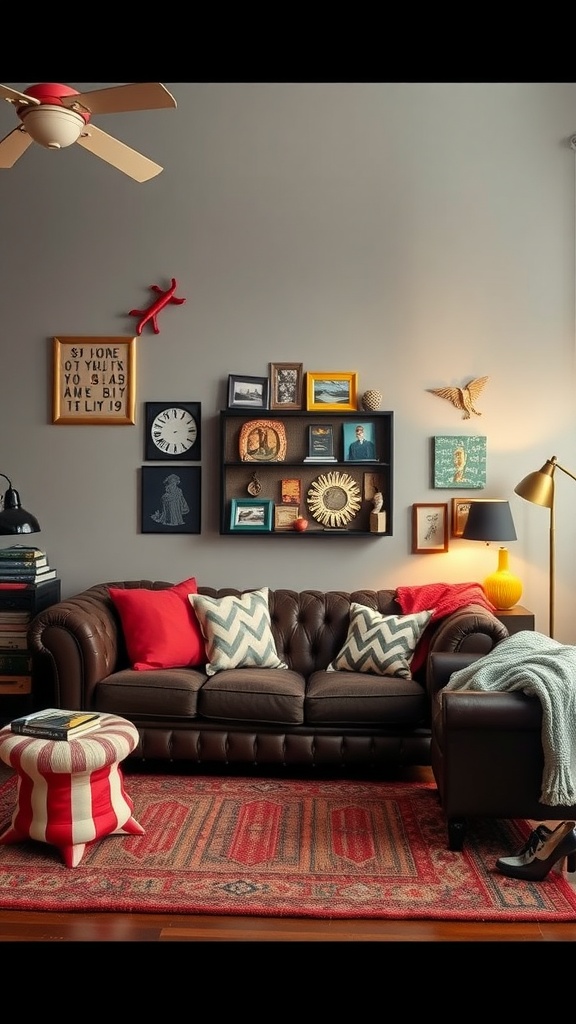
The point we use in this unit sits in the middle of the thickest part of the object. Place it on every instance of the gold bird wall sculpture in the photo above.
(463, 398)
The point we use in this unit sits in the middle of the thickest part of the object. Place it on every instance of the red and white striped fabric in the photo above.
(71, 792)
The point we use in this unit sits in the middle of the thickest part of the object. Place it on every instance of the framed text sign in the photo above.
(94, 380)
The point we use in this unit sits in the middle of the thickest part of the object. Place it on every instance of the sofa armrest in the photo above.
(469, 633)
(74, 644)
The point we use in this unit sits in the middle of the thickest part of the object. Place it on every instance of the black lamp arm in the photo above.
(11, 497)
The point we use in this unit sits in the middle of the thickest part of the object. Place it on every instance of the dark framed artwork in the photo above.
(359, 441)
(247, 392)
(321, 441)
(286, 385)
(170, 499)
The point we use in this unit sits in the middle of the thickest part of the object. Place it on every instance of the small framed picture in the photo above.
(359, 440)
(429, 528)
(285, 515)
(285, 385)
(170, 501)
(247, 392)
(291, 493)
(460, 510)
(460, 462)
(321, 441)
(332, 392)
(251, 515)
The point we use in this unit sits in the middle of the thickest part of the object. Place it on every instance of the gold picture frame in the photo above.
(94, 380)
(332, 392)
(285, 386)
(460, 510)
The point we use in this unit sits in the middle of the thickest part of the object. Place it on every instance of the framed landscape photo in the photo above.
(247, 392)
(285, 385)
(170, 499)
(94, 380)
(251, 515)
(429, 528)
(332, 392)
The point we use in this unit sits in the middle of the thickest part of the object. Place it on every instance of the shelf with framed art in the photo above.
(278, 467)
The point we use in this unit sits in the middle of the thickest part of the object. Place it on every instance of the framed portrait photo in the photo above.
(251, 515)
(170, 499)
(359, 441)
(332, 392)
(285, 385)
(247, 392)
(429, 528)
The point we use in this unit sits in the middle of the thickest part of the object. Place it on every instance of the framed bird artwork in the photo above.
(463, 398)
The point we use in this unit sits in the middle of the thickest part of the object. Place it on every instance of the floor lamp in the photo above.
(539, 489)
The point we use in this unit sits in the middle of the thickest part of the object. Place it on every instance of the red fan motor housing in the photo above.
(51, 93)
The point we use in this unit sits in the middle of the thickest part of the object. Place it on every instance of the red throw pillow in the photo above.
(160, 627)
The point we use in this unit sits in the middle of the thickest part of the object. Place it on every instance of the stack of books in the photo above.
(20, 566)
(56, 724)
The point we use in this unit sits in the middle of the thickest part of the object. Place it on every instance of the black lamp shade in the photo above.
(489, 521)
(13, 518)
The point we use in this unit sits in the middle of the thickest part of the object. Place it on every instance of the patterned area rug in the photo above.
(322, 848)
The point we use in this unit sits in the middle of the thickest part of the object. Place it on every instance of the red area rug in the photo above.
(323, 848)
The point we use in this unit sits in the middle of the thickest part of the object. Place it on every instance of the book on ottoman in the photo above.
(56, 724)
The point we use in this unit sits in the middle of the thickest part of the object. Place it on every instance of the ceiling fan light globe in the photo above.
(53, 127)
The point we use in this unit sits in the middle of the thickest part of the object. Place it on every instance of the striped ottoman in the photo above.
(71, 792)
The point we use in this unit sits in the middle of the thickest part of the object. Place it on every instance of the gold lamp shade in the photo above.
(538, 488)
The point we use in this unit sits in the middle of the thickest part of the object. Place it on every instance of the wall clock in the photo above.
(173, 431)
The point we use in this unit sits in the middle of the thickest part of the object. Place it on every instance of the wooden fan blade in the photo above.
(13, 146)
(120, 156)
(19, 99)
(121, 98)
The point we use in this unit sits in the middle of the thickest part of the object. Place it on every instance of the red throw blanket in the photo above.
(443, 598)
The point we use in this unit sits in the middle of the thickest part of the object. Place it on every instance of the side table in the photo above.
(71, 792)
(515, 619)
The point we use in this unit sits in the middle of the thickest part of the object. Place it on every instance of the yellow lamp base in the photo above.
(502, 588)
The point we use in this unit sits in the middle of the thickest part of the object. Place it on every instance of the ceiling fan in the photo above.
(56, 116)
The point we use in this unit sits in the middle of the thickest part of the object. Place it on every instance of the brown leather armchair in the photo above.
(486, 752)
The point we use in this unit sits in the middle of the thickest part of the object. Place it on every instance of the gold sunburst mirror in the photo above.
(334, 499)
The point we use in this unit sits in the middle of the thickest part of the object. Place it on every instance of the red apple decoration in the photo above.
(300, 524)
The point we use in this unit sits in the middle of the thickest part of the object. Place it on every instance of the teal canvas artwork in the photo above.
(459, 462)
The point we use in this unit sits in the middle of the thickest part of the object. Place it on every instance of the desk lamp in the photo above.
(491, 520)
(538, 488)
(14, 518)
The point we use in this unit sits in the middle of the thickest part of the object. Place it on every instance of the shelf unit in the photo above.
(237, 474)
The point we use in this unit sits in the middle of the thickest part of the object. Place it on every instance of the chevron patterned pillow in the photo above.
(237, 631)
(381, 644)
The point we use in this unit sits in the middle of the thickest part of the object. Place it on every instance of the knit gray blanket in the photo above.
(543, 668)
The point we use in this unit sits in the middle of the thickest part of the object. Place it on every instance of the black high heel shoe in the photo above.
(542, 851)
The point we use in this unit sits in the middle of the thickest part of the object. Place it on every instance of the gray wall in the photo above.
(419, 234)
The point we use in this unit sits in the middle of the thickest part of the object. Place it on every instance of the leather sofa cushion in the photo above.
(171, 692)
(254, 695)
(357, 698)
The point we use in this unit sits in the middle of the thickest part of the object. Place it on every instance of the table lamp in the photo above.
(14, 518)
(491, 520)
(538, 488)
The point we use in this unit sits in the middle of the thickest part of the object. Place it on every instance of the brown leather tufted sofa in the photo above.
(304, 717)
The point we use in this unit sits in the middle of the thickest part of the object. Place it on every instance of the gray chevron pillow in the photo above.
(237, 631)
(381, 644)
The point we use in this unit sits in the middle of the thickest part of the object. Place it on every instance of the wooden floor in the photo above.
(33, 926)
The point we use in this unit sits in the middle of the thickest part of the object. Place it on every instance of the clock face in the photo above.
(172, 431)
